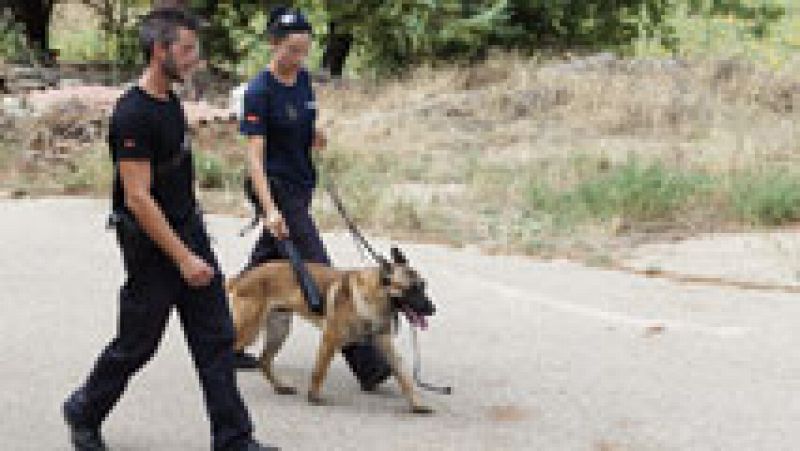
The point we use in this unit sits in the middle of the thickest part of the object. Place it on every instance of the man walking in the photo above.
(165, 249)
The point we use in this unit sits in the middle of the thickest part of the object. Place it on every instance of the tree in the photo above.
(35, 15)
(118, 21)
(392, 35)
(338, 44)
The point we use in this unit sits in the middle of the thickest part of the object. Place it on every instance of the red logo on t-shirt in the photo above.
(129, 144)
(252, 118)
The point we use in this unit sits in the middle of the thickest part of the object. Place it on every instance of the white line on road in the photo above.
(608, 316)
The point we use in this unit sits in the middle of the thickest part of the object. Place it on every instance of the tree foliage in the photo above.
(391, 35)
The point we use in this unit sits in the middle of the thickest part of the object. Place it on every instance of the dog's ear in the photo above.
(385, 272)
(398, 256)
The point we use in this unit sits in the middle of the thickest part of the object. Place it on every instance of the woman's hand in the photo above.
(275, 224)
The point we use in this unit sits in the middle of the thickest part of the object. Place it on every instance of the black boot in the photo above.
(253, 445)
(83, 438)
(368, 365)
(371, 382)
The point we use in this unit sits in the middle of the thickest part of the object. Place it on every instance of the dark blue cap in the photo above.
(283, 21)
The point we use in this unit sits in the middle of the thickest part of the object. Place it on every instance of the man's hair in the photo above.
(161, 26)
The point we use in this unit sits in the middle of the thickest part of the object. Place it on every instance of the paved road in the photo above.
(542, 355)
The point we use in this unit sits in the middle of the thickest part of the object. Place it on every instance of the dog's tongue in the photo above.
(415, 319)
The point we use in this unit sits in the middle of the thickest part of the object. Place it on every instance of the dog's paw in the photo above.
(285, 390)
(422, 410)
(316, 400)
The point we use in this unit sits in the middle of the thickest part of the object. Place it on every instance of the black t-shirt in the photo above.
(146, 128)
(285, 115)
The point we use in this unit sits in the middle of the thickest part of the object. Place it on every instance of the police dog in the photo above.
(358, 304)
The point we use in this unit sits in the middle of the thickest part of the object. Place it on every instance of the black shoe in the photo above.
(253, 445)
(375, 378)
(83, 438)
(245, 361)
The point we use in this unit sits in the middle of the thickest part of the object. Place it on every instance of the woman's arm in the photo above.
(256, 155)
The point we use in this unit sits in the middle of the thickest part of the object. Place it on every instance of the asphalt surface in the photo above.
(541, 355)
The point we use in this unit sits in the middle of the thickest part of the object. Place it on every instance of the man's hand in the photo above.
(320, 141)
(196, 272)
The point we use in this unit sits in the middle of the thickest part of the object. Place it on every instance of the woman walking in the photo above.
(278, 119)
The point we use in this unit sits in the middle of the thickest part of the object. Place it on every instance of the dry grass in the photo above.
(523, 109)
(547, 158)
(535, 157)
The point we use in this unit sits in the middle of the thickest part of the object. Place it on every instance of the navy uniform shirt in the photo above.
(285, 116)
(146, 128)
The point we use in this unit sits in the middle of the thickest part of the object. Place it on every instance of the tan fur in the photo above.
(356, 305)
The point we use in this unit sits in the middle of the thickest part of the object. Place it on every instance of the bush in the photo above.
(768, 198)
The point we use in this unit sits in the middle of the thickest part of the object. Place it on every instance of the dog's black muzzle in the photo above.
(416, 300)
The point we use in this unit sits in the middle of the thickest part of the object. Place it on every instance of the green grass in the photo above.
(766, 198)
(91, 172)
(635, 191)
(535, 208)
(363, 182)
(8, 154)
(213, 172)
(531, 208)
(582, 189)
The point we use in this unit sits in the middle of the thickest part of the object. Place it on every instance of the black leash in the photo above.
(351, 225)
(304, 279)
(258, 213)
(443, 390)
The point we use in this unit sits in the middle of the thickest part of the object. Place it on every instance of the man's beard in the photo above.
(170, 69)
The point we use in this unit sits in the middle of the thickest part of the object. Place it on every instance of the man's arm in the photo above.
(136, 175)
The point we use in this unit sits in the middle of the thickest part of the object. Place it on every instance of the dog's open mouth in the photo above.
(415, 319)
